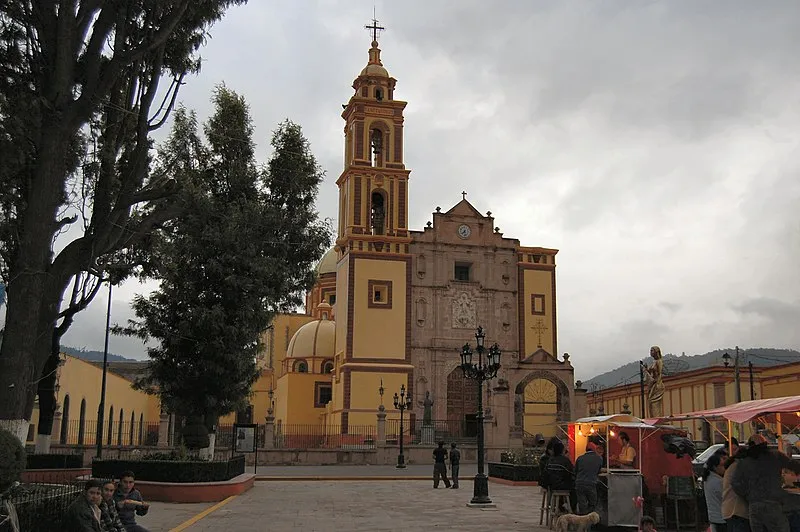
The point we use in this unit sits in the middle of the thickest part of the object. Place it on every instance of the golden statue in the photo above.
(655, 392)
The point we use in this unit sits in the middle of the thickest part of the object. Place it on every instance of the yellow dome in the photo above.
(375, 70)
(327, 263)
(314, 339)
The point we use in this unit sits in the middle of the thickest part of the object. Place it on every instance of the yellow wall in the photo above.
(379, 332)
(82, 381)
(364, 390)
(538, 282)
(294, 403)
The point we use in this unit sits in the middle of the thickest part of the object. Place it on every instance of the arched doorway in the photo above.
(541, 402)
(462, 404)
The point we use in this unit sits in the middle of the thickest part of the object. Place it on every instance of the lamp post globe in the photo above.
(482, 367)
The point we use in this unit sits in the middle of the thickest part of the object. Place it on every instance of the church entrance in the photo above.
(462, 404)
(540, 408)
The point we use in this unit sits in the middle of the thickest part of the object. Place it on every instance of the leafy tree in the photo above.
(79, 95)
(243, 250)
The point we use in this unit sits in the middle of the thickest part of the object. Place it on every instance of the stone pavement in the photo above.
(368, 505)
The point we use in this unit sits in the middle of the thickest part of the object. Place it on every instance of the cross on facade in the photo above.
(374, 28)
(539, 327)
(463, 195)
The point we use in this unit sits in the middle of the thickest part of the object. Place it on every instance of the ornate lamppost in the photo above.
(402, 403)
(482, 369)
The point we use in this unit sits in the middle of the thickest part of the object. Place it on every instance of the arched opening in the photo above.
(462, 403)
(378, 93)
(376, 142)
(110, 424)
(301, 366)
(120, 425)
(327, 367)
(64, 421)
(541, 401)
(82, 422)
(378, 214)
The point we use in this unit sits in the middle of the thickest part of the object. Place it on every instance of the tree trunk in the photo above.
(47, 395)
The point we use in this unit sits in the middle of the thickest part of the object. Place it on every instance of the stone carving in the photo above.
(422, 311)
(427, 414)
(464, 312)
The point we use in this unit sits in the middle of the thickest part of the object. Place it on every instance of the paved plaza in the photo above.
(368, 504)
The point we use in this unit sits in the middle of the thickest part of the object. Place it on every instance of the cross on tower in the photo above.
(539, 327)
(374, 28)
(463, 195)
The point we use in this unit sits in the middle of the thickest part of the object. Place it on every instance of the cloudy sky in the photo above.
(655, 143)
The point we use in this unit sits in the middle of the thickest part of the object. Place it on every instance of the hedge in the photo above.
(12, 459)
(171, 471)
(54, 461)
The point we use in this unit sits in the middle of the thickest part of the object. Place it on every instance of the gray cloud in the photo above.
(654, 143)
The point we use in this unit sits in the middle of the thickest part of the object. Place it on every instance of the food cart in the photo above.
(619, 486)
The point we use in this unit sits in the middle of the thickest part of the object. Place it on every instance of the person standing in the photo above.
(455, 460)
(734, 508)
(83, 515)
(712, 489)
(130, 503)
(627, 455)
(758, 480)
(439, 466)
(587, 470)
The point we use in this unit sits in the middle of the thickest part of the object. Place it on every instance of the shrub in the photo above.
(521, 456)
(171, 471)
(54, 461)
(12, 459)
(195, 435)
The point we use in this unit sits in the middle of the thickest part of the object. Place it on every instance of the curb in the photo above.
(261, 478)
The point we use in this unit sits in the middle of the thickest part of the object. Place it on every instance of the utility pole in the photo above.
(738, 384)
(752, 387)
(641, 388)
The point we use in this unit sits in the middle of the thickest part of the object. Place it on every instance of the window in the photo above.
(378, 213)
(323, 393)
(462, 271)
(537, 304)
(380, 294)
(301, 367)
(327, 367)
(332, 299)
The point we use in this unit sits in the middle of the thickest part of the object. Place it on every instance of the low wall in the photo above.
(380, 456)
(54, 475)
(186, 492)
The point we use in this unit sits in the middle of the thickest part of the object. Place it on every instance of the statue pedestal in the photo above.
(428, 435)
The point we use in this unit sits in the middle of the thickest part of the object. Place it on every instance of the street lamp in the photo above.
(401, 403)
(481, 369)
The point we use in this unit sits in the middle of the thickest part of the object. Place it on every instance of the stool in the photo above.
(558, 498)
(545, 507)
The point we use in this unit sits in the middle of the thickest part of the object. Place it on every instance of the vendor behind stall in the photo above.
(627, 455)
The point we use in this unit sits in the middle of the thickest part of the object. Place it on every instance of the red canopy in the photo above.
(744, 411)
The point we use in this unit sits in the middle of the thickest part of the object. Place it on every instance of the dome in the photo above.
(314, 339)
(375, 70)
(327, 264)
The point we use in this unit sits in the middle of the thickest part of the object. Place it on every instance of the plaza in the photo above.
(365, 504)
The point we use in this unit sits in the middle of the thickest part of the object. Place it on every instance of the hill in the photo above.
(673, 364)
(93, 356)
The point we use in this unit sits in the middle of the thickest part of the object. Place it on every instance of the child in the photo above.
(648, 524)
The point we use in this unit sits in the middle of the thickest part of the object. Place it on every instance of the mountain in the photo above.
(673, 364)
(93, 356)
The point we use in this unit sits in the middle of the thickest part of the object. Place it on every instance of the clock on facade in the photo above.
(464, 231)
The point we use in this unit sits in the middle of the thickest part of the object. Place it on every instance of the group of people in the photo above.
(107, 506)
(745, 492)
(440, 456)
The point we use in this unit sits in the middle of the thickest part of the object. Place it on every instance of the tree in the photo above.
(79, 96)
(243, 249)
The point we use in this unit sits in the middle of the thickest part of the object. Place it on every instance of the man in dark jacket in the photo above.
(83, 515)
(440, 466)
(130, 503)
(758, 480)
(558, 475)
(587, 469)
(455, 461)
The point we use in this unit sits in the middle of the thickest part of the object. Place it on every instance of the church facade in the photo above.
(393, 306)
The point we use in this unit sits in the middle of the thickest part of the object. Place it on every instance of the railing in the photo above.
(324, 437)
(421, 433)
(119, 433)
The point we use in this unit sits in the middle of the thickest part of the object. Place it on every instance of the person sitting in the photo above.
(558, 474)
(130, 503)
(83, 515)
(108, 509)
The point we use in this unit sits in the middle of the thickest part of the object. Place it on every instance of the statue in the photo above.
(428, 405)
(653, 376)
(519, 411)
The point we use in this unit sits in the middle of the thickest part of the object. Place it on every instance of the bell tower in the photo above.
(373, 273)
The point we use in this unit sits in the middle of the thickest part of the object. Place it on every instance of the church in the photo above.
(393, 306)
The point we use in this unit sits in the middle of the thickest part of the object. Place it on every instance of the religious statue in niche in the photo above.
(427, 413)
(519, 411)
(464, 312)
(655, 383)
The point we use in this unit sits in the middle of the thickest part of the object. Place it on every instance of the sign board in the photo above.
(245, 438)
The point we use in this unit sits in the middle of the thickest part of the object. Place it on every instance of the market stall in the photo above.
(620, 481)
